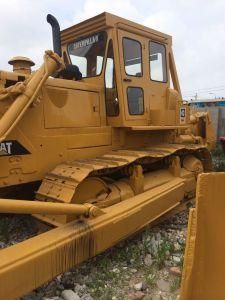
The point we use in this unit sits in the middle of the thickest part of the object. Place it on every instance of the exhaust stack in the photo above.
(55, 34)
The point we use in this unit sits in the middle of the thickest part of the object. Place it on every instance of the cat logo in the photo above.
(6, 148)
(12, 148)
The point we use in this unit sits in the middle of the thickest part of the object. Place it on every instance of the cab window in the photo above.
(132, 57)
(111, 98)
(135, 98)
(88, 54)
(157, 61)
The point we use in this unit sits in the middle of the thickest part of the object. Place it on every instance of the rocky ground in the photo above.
(15, 229)
(147, 266)
(218, 159)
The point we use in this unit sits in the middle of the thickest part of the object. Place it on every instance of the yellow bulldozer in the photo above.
(100, 138)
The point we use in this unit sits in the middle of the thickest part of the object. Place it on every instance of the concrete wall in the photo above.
(221, 127)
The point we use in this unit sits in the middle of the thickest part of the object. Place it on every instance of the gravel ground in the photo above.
(147, 266)
(15, 229)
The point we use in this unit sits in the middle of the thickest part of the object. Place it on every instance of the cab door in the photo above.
(132, 49)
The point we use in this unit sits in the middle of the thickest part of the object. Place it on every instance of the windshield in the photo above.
(88, 54)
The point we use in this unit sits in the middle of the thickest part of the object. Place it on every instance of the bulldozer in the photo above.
(99, 139)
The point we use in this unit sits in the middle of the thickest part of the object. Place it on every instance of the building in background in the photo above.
(216, 107)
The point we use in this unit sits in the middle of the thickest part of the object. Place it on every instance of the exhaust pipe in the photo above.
(55, 34)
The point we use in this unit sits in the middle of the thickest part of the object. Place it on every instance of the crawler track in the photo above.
(61, 183)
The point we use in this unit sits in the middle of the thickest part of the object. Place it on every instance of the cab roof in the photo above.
(105, 21)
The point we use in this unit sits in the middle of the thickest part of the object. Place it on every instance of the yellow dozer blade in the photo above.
(204, 265)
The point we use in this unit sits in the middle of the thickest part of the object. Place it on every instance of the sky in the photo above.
(197, 28)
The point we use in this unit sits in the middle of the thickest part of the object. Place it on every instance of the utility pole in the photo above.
(196, 97)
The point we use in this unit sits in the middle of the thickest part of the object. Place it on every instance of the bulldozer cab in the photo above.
(132, 64)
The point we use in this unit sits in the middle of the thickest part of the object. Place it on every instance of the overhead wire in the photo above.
(215, 89)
